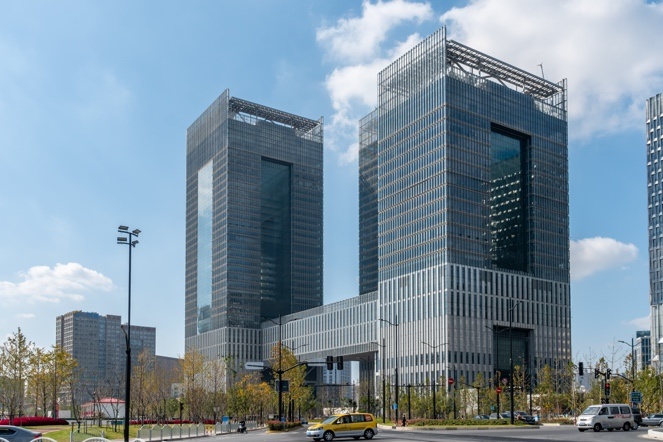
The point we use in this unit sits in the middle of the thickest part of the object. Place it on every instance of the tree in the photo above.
(192, 368)
(293, 372)
(215, 378)
(142, 379)
(60, 372)
(15, 356)
(545, 391)
(38, 384)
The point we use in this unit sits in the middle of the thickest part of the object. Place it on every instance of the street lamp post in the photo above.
(396, 410)
(131, 242)
(280, 371)
(513, 306)
(434, 347)
(384, 387)
(632, 362)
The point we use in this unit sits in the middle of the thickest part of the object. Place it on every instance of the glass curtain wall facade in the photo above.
(654, 120)
(472, 214)
(368, 208)
(254, 223)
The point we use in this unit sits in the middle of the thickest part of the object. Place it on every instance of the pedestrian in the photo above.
(404, 421)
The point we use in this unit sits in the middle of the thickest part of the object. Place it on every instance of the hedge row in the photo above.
(460, 422)
(282, 426)
(34, 421)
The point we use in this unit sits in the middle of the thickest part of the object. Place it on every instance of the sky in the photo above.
(96, 98)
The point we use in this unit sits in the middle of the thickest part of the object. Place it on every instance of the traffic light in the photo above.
(581, 369)
(330, 363)
(181, 406)
(607, 389)
(607, 373)
(339, 362)
(596, 373)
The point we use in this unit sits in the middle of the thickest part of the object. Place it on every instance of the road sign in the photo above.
(498, 390)
(505, 381)
(285, 386)
(395, 406)
(254, 365)
(636, 397)
(316, 364)
(451, 381)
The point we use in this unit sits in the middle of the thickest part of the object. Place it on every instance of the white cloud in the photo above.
(356, 40)
(358, 47)
(44, 284)
(25, 316)
(643, 323)
(607, 50)
(593, 255)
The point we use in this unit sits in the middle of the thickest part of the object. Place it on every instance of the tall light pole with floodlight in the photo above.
(131, 242)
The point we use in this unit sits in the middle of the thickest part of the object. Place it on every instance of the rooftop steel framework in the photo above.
(489, 67)
(239, 106)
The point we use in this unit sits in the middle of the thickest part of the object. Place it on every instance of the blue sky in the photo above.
(96, 97)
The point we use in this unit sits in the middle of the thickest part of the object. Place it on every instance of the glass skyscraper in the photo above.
(654, 137)
(253, 223)
(464, 214)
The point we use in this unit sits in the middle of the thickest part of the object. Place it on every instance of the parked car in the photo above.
(637, 417)
(501, 416)
(523, 416)
(481, 417)
(17, 434)
(653, 420)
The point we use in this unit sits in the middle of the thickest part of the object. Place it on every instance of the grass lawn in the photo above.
(61, 433)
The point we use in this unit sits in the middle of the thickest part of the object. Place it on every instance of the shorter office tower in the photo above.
(642, 349)
(253, 224)
(98, 344)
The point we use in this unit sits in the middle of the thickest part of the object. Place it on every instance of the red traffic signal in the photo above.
(451, 381)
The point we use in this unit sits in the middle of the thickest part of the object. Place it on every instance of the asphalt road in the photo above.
(530, 434)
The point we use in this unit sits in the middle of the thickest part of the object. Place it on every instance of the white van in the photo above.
(606, 416)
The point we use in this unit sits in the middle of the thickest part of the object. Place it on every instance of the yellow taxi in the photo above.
(353, 425)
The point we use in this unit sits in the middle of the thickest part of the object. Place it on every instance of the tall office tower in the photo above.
(253, 224)
(654, 120)
(99, 346)
(472, 215)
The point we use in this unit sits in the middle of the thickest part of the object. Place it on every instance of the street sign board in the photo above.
(316, 364)
(395, 406)
(254, 365)
(285, 386)
(636, 397)
(451, 381)
(498, 390)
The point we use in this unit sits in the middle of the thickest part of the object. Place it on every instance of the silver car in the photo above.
(17, 434)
